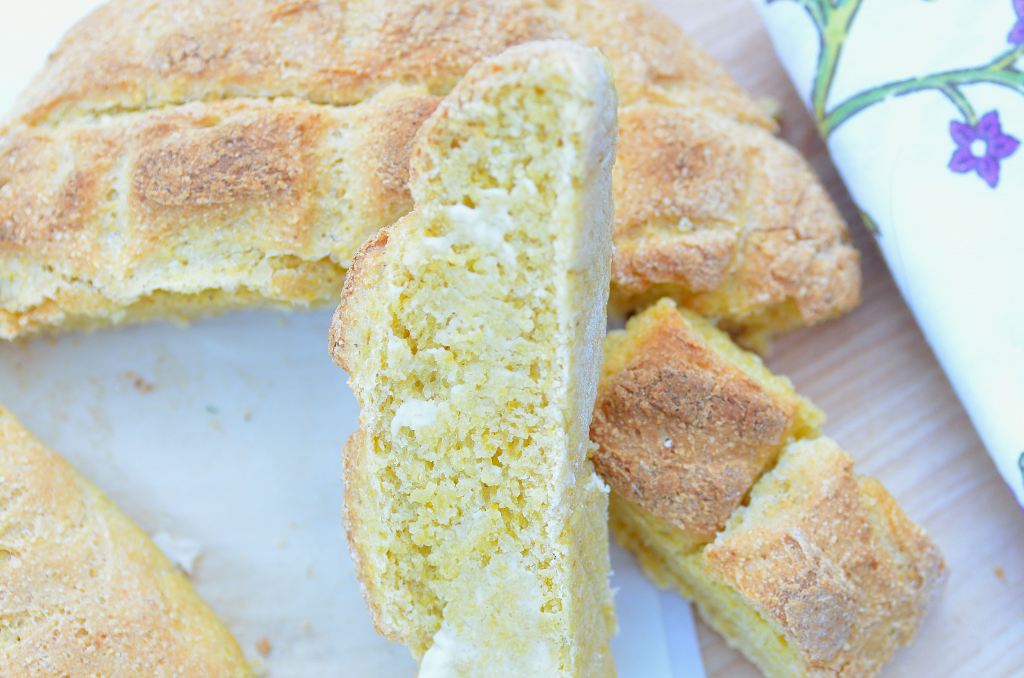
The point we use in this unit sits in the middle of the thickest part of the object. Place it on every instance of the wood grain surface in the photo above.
(891, 406)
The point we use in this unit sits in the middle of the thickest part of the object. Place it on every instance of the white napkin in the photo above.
(922, 106)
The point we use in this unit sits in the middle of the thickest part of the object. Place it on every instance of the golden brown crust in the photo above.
(358, 283)
(830, 560)
(335, 52)
(654, 61)
(132, 55)
(229, 163)
(681, 432)
(711, 208)
(82, 590)
(726, 219)
(685, 424)
(397, 131)
(796, 247)
(222, 161)
(40, 201)
(102, 217)
(354, 494)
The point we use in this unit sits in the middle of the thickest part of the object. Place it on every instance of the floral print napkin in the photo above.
(922, 106)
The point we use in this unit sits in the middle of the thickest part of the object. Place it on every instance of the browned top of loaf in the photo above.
(197, 166)
(727, 213)
(140, 54)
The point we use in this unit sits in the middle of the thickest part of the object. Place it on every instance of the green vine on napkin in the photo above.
(1020, 463)
(980, 141)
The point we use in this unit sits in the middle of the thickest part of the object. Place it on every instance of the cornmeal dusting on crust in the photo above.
(186, 157)
(83, 592)
(686, 423)
(829, 560)
(730, 222)
(816, 572)
(471, 330)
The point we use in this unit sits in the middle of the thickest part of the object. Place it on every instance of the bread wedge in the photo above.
(724, 492)
(83, 591)
(471, 330)
(687, 422)
(185, 157)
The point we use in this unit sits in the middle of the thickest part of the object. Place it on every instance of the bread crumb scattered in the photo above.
(138, 383)
(183, 553)
(770, 107)
(1000, 574)
(263, 646)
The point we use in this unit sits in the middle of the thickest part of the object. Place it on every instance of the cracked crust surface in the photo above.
(830, 560)
(685, 423)
(83, 591)
(712, 208)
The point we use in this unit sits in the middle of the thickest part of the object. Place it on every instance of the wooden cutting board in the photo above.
(891, 406)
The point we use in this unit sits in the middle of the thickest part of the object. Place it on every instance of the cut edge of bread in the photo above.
(472, 201)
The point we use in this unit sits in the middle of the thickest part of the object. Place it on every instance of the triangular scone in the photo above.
(806, 568)
(185, 157)
(83, 591)
(471, 330)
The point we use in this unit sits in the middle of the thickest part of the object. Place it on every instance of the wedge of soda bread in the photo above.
(472, 332)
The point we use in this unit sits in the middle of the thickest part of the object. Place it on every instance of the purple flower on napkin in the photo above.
(1016, 36)
(980, 147)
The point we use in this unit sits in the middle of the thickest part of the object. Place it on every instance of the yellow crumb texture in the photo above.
(83, 591)
(815, 571)
(471, 330)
